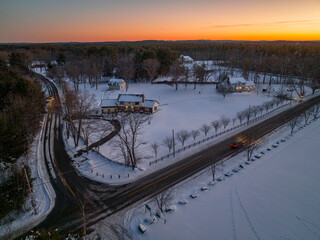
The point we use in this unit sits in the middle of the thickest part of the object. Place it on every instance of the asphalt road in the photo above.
(76, 193)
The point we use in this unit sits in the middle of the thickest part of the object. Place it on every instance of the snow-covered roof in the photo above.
(108, 102)
(237, 80)
(250, 83)
(186, 58)
(149, 103)
(130, 97)
(115, 80)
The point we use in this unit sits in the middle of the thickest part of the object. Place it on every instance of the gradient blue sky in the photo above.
(118, 20)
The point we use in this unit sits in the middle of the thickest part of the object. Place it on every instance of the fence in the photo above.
(216, 135)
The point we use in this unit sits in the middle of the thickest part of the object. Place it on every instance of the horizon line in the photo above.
(150, 40)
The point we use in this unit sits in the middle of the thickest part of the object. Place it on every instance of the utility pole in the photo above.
(30, 190)
(173, 144)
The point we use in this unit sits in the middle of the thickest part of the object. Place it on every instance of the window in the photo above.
(136, 103)
(121, 103)
(155, 108)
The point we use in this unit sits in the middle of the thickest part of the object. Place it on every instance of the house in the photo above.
(129, 103)
(235, 84)
(250, 85)
(116, 84)
(109, 106)
(185, 59)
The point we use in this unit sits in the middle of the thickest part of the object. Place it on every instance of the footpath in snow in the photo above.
(276, 196)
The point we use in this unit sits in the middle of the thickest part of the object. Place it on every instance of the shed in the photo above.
(116, 84)
(150, 106)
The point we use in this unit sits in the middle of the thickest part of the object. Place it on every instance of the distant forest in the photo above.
(136, 61)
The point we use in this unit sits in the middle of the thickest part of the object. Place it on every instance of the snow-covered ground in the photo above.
(274, 197)
(184, 109)
(179, 110)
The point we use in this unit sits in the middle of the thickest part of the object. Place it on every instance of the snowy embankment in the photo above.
(276, 196)
(43, 194)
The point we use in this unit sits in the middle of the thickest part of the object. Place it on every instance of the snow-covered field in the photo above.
(274, 197)
(184, 109)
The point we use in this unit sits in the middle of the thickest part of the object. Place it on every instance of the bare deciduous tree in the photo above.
(168, 141)
(186, 74)
(163, 199)
(248, 113)
(151, 66)
(176, 71)
(125, 66)
(195, 134)
(205, 128)
(213, 168)
(155, 147)
(306, 116)
(200, 72)
(254, 110)
(216, 124)
(183, 136)
(84, 106)
(315, 111)
(234, 121)
(240, 116)
(130, 137)
(260, 109)
(266, 106)
(252, 145)
(293, 123)
(225, 121)
(88, 128)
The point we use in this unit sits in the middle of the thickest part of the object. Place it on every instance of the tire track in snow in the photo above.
(232, 215)
(247, 216)
(284, 238)
(305, 223)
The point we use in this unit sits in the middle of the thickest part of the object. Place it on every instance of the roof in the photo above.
(149, 103)
(109, 103)
(237, 80)
(130, 97)
(250, 83)
(116, 80)
(186, 58)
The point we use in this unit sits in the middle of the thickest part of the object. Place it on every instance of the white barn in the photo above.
(116, 84)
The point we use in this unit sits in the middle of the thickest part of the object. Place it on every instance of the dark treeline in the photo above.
(136, 61)
(22, 106)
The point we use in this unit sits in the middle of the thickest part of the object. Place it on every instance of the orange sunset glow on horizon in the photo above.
(129, 20)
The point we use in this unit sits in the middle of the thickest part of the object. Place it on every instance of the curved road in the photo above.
(76, 193)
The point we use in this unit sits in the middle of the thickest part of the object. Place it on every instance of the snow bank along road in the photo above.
(75, 193)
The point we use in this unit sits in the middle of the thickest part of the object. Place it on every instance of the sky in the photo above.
(135, 20)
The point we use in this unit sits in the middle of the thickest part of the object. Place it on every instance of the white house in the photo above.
(185, 59)
(235, 84)
(116, 84)
(129, 103)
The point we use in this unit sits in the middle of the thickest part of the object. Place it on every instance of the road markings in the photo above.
(64, 180)
(160, 179)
